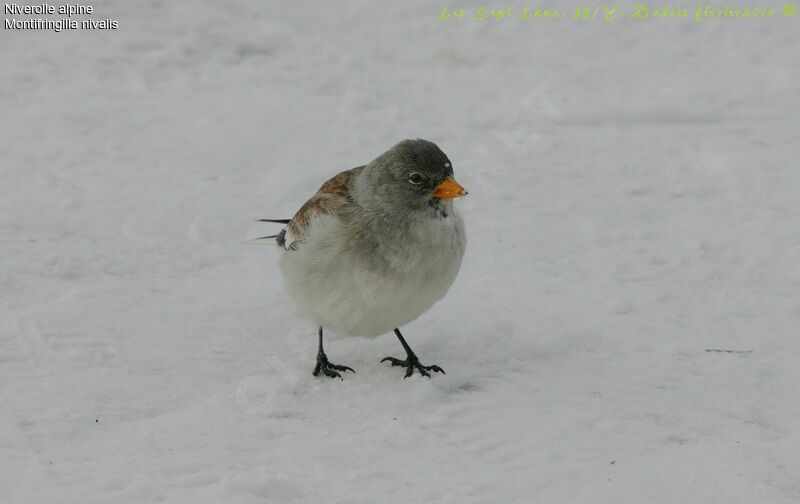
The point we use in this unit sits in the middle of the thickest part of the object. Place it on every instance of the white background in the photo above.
(633, 202)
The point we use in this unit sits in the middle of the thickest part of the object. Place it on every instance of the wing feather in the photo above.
(331, 199)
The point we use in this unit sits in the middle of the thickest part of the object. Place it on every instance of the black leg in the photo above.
(328, 369)
(411, 361)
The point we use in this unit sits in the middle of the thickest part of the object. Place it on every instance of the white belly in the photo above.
(338, 293)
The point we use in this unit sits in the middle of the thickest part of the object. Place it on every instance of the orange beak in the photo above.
(449, 189)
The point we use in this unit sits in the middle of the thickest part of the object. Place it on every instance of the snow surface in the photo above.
(633, 203)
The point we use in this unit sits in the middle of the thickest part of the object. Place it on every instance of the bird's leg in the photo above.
(411, 361)
(328, 369)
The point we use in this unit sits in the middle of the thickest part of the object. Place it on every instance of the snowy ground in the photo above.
(633, 203)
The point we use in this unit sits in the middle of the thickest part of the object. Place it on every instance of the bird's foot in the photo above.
(411, 363)
(328, 369)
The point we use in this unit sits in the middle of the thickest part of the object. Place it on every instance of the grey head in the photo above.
(414, 175)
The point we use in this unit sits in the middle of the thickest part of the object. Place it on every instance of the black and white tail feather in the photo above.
(280, 238)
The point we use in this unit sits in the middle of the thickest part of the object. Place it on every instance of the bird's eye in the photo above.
(415, 178)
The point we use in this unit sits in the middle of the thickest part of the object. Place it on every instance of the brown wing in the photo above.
(329, 200)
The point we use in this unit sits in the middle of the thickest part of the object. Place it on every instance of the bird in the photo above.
(375, 248)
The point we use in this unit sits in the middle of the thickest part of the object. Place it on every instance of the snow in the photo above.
(633, 203)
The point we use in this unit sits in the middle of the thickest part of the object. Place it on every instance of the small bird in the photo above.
(375, 248)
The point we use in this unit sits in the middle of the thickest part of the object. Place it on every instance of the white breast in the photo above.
(338, 292)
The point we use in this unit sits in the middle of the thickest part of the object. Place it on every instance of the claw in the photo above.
(411, 364)
(421, 370)
(329, 370)
(331, 374)
(395, 362)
